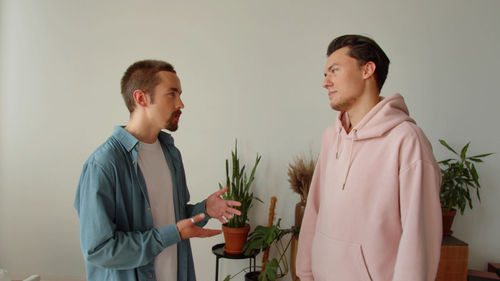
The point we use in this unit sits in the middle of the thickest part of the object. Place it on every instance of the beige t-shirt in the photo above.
(158, 179)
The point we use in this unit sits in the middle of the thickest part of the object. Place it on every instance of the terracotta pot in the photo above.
(235, 238)
(448, 217)
(299, 214)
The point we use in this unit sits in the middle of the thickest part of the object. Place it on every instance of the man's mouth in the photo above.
(177, 115)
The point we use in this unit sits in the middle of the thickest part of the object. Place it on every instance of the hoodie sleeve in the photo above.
(308, 226)
(420, 207)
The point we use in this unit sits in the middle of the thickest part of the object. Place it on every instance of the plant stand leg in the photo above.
(217, 269)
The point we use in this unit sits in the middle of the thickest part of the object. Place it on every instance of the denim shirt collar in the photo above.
(126, 139)
(130, 142)
(166, 138)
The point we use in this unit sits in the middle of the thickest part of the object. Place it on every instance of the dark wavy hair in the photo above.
(364, 50)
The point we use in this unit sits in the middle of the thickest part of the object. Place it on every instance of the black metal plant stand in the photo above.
(219, 253)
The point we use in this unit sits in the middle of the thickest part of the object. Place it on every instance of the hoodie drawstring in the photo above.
(354, 132)
(338, 152)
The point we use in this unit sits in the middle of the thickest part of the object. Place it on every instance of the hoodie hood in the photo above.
(384, 116)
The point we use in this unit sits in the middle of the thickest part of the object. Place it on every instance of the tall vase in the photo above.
(299, 214)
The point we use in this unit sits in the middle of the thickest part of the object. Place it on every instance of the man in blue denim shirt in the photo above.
(121, 236)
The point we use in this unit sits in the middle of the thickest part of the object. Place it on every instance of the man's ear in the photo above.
(369, 69)
(140, 98)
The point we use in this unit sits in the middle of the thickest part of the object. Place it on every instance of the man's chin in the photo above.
(336, 107)
(339, 106)
(172, 127)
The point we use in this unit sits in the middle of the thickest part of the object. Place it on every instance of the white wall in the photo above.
(250, 70)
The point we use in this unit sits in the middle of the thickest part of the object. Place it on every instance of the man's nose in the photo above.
(180, 104)
(327, 83)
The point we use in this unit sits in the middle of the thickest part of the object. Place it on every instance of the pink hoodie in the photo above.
(373, 210)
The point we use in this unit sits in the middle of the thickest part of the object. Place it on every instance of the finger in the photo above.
(199, 217)
(220, 192)
(222, 220)
(233, 211)
(209, 232)
(233, 203)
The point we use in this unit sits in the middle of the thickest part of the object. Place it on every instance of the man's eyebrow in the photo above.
(330, 67)
(174, 89)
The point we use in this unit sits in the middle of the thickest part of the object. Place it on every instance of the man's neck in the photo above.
(141, 129)
(362, 106)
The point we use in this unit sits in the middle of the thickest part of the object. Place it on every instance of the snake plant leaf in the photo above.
(257, 198)
(238, 187)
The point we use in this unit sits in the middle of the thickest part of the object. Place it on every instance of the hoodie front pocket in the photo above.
(334, 259)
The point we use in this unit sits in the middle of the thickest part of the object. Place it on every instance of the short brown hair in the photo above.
(142, 75)
(364, 50)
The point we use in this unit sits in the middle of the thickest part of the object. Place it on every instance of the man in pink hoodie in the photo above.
(373, 210)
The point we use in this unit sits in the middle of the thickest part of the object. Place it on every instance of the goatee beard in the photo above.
(172, 125)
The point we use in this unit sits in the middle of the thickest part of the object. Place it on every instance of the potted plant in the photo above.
(236, 229)
(300, 173)
(459, 178)
(262, 239)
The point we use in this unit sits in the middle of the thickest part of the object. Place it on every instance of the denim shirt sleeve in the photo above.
(193, 210)
(102, 244)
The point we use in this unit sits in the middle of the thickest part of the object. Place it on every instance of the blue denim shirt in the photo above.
(117, 236)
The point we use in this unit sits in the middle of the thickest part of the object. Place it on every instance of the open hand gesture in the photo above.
(187, 228)
(221, 209)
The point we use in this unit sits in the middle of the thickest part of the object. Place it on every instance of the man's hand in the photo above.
(188, 229)
(221, 209)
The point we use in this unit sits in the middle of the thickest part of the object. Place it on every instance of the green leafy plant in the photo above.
(239, 187)
(459, 177)
(264, 237)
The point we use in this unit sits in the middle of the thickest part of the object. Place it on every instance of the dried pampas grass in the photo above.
(300, 173)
